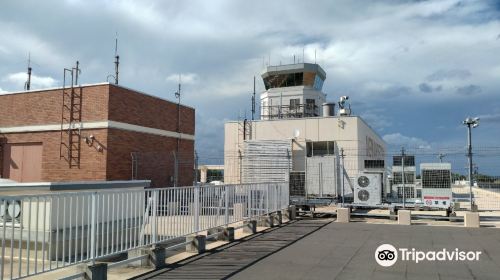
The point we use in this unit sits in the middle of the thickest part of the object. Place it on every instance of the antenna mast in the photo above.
(27, 85)
(253, 99)
(77, 71)
(117, 59)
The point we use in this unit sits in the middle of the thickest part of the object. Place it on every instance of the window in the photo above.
(311, 103)
(374, 163)
(284, 80)
(320, 148)
(409, 160)
(294, 104)
(318, 83)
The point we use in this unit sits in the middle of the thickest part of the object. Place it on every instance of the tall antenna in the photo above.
(314, 56)
(77, 71)
(303, 55)
(253, 99)
(27, 85)
(117, 59)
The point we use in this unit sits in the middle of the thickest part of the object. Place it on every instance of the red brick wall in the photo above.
(44, 107)
(114, 163)
(154, 156)
(132, 107)
(92, 162)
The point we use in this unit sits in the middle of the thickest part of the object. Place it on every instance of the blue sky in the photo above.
(413, 69)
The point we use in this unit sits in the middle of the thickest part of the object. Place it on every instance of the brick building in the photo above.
(95, 132)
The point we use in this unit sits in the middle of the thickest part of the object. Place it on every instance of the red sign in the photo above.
(437, 197)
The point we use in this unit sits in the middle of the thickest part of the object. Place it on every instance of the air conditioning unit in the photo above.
(368, 189)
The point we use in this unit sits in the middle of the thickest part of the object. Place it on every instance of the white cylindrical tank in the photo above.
(328, 109)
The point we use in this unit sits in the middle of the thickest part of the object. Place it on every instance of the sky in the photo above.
(414, 70)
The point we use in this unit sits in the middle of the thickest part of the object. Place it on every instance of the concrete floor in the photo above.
(322, 249)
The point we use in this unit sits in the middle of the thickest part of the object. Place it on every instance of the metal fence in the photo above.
(40, 233)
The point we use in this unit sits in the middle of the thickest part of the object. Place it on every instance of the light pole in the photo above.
(470, 123)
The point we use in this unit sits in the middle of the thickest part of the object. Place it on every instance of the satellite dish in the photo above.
(296, 133)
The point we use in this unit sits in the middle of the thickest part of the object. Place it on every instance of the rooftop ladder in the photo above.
(71, 118)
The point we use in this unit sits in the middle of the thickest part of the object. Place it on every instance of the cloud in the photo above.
(186, 78)
(427, 88)
(440, 75)
(37, 82)
(469, 90)
(378, 52)
(490, 118)
(424, 87)
(397, 139)
(2, 91)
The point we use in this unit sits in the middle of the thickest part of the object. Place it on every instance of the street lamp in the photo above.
(470, 123)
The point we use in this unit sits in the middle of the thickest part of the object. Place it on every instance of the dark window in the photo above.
(409, 160)
(374, 163)
(309, 148)
(320, 148)
(284, 80)
(294, 104)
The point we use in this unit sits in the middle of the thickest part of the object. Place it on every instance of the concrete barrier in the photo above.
(278, 218)
(404, 217)
(228, 234)
(292, 212)
(98, 271)
(343, 215)
(217, 232)
(266, 221)
(196, 243)
(471, 219)
(250, 227)
(157, 257)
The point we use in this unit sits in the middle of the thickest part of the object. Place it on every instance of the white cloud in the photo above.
(186, 78)
(397, 139)
(37, 82)
(2, 91)
(490, 118)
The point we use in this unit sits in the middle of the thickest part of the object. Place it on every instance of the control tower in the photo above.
(292, 91)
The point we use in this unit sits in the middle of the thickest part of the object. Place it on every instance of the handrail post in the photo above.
(226, 206)
(154, 208)
(93, 228)
(196, 209)
(267, 199)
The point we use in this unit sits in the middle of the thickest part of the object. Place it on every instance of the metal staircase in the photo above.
(71, 118)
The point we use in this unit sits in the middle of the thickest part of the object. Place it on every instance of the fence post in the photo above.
(226, 206)
(249, 202)
(93, 228)
(154, 206)
(196, 208)
(267, 199)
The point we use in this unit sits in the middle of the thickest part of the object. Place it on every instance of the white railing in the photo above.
(41, 233)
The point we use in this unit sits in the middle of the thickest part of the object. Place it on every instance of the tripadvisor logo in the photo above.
(387, 255)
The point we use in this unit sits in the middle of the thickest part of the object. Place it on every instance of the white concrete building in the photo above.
(293, 109)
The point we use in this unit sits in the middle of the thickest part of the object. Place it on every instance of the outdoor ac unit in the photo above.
(368, 189)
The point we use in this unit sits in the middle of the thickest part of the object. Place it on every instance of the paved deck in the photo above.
(320, 249)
